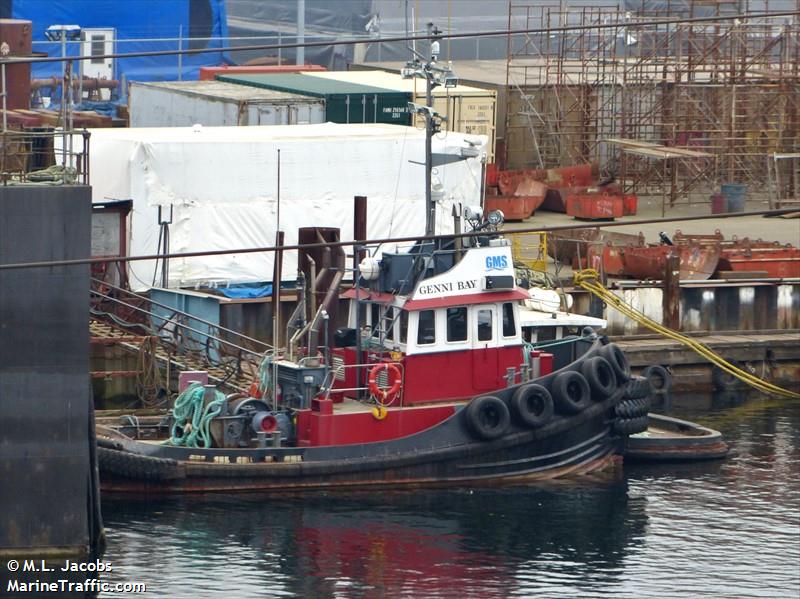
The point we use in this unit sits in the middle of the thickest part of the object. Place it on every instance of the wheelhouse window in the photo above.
(374, 319)
(426, 327)
(457, 324)
(546, 334)
(403, 326)
(382, 317)
(484, 325)
(509, 325)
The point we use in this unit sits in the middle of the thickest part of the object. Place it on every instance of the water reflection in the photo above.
(488, 543)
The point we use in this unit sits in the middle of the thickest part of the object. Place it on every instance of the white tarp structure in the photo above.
(222, 183)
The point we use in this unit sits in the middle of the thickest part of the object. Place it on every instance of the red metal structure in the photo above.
(210, 73)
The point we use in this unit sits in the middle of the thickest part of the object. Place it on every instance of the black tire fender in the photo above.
(631, 426)
(633, 408)
(659, 378)
(638, 386)
(624, 409)
(571, 392)
(618, 360)
(600, 376)
(532, 406)
(137, 467)
(487, 417)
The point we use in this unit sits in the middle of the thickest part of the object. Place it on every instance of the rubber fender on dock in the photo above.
(631, 426)
(600, 376)
(571, 392)
(618, 360)
(724, 381)
(138, 467)
(532, 406)
(487, 417)
(638, 387)
(659, 378)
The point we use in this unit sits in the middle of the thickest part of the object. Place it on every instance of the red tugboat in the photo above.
(431, 385)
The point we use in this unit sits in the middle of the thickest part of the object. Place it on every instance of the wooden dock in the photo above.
(774, 355)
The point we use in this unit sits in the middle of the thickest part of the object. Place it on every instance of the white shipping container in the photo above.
(218, 104)
(468, 109)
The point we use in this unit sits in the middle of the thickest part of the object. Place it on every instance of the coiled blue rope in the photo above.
(193, 417)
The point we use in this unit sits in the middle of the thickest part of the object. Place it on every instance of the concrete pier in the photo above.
(49, 504)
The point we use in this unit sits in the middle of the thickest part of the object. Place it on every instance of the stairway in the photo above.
(233, 375)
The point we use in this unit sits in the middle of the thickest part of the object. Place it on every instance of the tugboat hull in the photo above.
(568, 446)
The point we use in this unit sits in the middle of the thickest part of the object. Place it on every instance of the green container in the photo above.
(344, 102)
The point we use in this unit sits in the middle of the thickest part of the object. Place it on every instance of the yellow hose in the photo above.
(588, 280)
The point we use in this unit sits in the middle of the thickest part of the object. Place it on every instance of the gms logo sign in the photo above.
(496, 263)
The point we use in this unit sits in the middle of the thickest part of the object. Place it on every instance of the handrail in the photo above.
(193, 317)
(179, 324)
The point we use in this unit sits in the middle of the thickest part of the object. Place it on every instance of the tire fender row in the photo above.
(632, 411)
(567, 392)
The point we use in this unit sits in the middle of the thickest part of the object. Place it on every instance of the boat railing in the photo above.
(178, 333)
(44, 156)
(384, 392)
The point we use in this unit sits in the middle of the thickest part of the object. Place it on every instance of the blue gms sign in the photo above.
(496, 262)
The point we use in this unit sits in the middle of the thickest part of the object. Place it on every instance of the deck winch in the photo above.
(205, 418)
(242, 419)
(300, 381)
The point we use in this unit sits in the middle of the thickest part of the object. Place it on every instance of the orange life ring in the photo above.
(385, 394)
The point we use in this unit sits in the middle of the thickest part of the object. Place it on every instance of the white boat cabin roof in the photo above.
(534, 318)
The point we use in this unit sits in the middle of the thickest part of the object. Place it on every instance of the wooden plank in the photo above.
(655, 150)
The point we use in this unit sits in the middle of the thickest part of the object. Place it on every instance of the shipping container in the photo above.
(210, 73)
(216, 103)
(467, 109)
(344, 102)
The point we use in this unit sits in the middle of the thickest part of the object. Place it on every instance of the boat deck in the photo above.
(352, 406)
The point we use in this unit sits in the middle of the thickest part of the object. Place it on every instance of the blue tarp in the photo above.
(133, 21)
(246, 290)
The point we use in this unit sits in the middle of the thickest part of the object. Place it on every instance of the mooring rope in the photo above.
(588, 279)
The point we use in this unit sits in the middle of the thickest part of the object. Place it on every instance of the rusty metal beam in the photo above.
(412, 238)
(108, 374)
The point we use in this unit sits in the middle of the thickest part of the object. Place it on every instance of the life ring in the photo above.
(618, 360)
(659, 378)
(487, 417)
(571, 392)
(532, 405)
(385, 395)
(600, 376)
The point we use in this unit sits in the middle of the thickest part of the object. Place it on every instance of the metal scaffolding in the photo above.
(727, 90)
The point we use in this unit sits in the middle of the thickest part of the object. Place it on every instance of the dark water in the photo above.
(720, 529)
